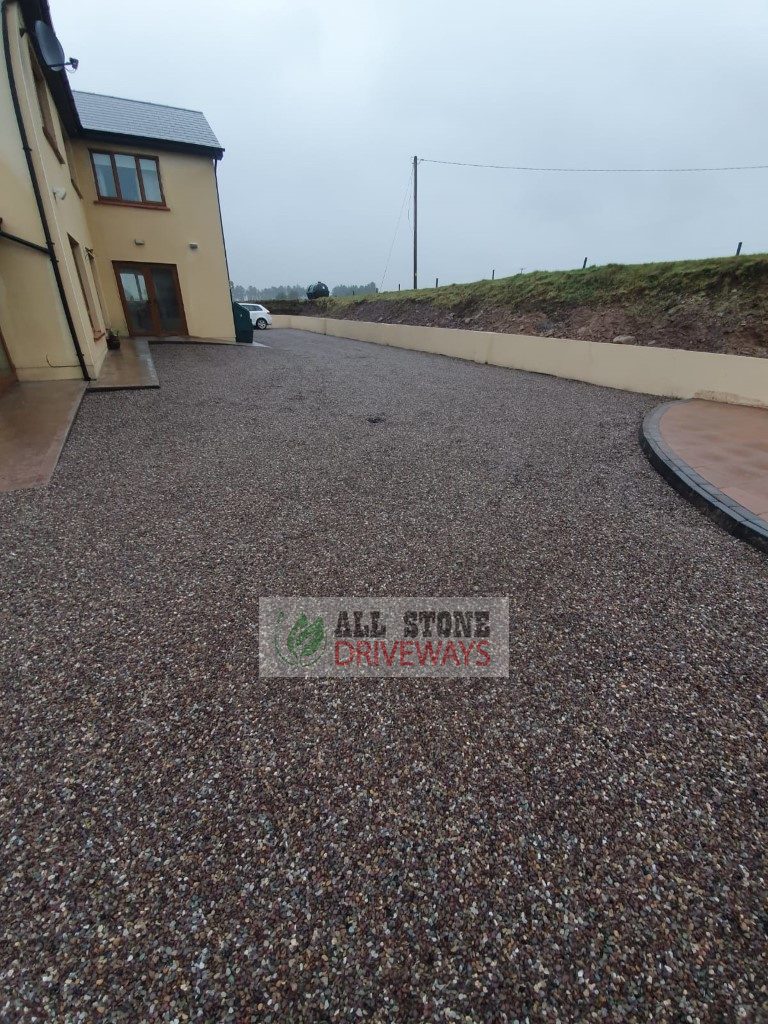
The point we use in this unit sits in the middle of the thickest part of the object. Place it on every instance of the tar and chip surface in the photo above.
(182, 841)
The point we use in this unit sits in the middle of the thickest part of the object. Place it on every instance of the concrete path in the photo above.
(717, 455)
(184, 840)
(130, 366)
(35, 419)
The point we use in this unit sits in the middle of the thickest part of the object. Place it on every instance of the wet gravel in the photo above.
(184, 842)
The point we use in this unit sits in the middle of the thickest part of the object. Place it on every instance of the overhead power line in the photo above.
(561, 170)
(599, 170)
(397, 228)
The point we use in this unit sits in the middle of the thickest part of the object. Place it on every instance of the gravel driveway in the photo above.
(182, 841)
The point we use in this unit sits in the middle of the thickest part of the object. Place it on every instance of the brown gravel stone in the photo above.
(182, 841)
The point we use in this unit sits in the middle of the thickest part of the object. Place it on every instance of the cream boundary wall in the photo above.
(189, 186)
(675, 373)
(31, 313)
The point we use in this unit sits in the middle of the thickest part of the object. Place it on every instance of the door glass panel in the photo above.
(128, 178)
(105, 179)
(151, 181)
(137, 301)
(168, 306)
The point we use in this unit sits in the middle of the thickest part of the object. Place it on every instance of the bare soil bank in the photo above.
(692, 324)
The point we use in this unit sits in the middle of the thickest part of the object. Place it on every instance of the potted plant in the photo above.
(113, 340)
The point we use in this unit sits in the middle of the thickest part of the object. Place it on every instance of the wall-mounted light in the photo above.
(60, 193)
(193, 245)
(138, 241)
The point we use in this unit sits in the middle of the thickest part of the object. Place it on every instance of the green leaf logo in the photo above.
(305, 637)
(304, 642)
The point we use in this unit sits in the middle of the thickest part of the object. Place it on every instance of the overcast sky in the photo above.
(320, 107)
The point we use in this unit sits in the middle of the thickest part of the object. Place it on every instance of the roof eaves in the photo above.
(58, 81)
(150, 142)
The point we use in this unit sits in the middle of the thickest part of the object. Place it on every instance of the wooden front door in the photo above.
(151, 299)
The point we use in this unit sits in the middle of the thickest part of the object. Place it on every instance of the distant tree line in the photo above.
(354, 289)
(282, 291)
(295, 291)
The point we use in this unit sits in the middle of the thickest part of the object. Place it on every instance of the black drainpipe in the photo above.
(38, 196)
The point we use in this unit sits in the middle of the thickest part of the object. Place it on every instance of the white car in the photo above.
(261, 318)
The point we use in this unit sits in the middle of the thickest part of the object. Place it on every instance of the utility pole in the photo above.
(415, 221)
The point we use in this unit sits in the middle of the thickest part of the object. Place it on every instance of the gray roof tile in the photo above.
(115, 116)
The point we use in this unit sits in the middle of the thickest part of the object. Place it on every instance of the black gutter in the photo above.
(94, 135)
(38, 196)
(24, 241)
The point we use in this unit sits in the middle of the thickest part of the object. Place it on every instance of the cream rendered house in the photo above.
(109, 216)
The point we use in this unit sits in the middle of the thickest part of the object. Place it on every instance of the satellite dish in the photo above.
(50, 48)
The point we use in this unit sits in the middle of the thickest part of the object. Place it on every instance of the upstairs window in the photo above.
(128, 178)
(44, 104)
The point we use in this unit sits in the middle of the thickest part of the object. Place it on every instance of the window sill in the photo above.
(134, 206)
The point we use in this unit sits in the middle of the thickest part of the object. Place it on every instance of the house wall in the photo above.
(189, 187)
(32, 317)
(674, 373)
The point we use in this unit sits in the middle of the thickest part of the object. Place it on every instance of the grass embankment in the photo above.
(615, 283)
(715, 305)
